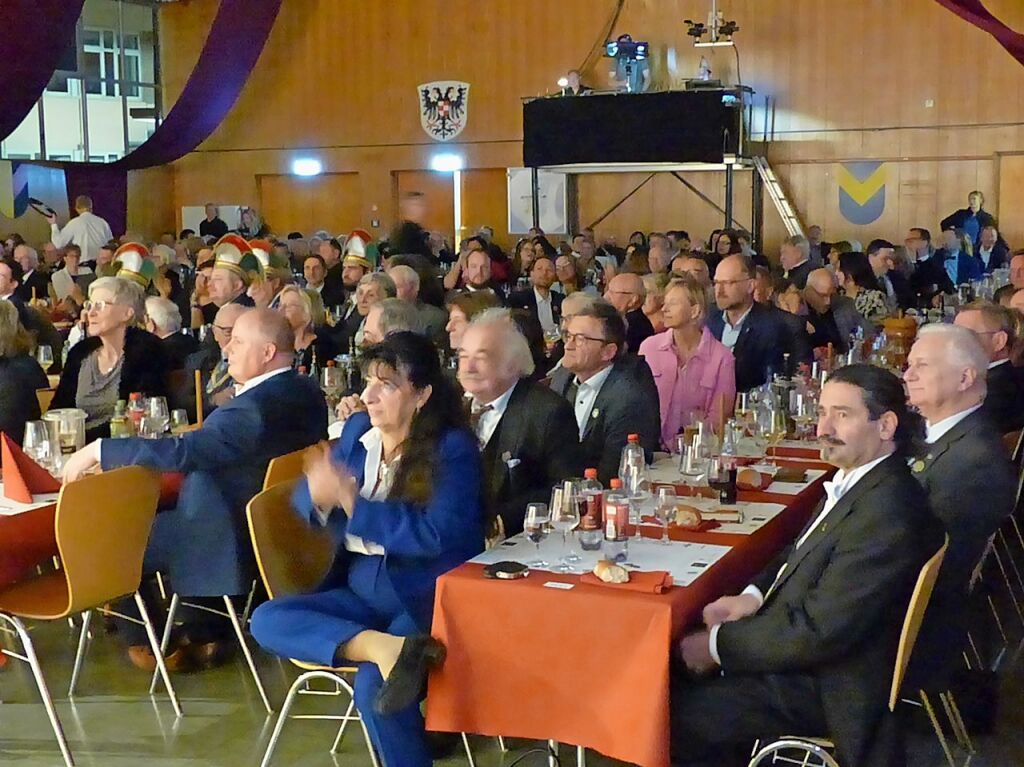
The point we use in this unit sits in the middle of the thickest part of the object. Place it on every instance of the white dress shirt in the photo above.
(730, 332)
(489, 421)
(586, 396)
(252, 383)
(87, 230)
(377, 478)
(937, 431)
(545, 311)
(840, 485)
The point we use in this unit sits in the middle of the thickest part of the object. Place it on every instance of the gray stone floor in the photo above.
(114, 723)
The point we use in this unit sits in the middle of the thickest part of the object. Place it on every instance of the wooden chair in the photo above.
(102, 526)
(281, 469)
(819, 748)
(45, 398)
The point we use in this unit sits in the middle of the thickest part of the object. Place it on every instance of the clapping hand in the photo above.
(696, 651)
(729, 609)
(330, 484)
(85, 461)
(348, 406)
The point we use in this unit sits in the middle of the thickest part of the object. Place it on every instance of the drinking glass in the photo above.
(156, 411)
(179, 421)
(37, 444)
(44, 356)
(565, 516)
(332, 381)
(777, 427)
(692, 464)
(535, 526)
(637, 485)
(665, 511)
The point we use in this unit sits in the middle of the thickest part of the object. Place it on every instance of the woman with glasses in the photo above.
(20, 375)
(115, 359)
(692, 370)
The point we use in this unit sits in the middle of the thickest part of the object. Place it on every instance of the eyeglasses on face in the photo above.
(225, 329)
(99, 306)
(728, 283)
(578, 338)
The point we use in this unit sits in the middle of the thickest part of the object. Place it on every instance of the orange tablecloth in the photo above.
(587, 666)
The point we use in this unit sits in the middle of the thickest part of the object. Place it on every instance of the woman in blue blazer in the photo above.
(400, 493)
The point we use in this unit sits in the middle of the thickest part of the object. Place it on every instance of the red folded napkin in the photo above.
(653, 582)
(23, 477)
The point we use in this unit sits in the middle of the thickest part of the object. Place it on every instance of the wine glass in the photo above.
(179, 421)
(776, 428)
(157, 412)
(565, 516)
(332, 381)
(535, 526)
(692, 464)
(665, 511)
(37, 443)
(44, 356)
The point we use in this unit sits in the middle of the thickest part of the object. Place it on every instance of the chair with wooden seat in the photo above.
(817, 749)
(45, 398)
(102, 525)
(284, 468)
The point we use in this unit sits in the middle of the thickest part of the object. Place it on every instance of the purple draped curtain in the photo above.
(34, 34)
(976, 13)
(212, 89)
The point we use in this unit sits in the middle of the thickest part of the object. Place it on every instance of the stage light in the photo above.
(446, 163)
(307, 166)
(563, 82)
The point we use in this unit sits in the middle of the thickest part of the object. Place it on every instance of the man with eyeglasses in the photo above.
(758, 338)
(994, 326)
(626, 292)
(212, 363)
(613, 396)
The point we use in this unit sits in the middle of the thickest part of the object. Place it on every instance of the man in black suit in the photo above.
(34, 283)
(970, 482)
(163, 319)
(612, 395)
(542, 302)
(810, 646)
(757, 337)
(994, 327)
(831, 318)
(993, 251)
(626, 292)
(521, 425)
(795, 256)
(898, 293)
(929, 278)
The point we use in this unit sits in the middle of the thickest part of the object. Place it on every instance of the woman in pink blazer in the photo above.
(693, 370)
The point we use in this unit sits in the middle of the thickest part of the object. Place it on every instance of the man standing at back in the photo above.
(203, 544)
(810, 646)
(88, 231)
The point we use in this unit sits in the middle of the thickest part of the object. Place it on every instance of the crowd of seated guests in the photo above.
(580, 337)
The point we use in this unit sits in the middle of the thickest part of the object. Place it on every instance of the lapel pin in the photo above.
(506, 457)
(918, 466)
(595, 413)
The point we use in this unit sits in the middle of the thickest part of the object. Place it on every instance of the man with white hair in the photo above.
(34, 283)
(372, 289)
(163, 319)
(432, 319)
(391, 315)
(521, 425)
(967, 475)
(995, 328)
(795, 255)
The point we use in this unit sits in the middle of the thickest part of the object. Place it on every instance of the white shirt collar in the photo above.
(498, 405)
(252, 383)
(597, 380)
(997, 363)
(840, 485)
(797, 266)
(540, 298)
(938, 431)
(740, 321)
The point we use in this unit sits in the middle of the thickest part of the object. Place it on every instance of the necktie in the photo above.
(475, 414)
(572, 390)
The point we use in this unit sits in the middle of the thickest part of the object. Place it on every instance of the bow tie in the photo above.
(833, 492)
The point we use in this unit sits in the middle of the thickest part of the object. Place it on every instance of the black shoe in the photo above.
(403, 687)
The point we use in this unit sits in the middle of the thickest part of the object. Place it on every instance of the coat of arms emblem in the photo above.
(443, 108)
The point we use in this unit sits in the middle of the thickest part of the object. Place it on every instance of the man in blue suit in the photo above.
(203, 544)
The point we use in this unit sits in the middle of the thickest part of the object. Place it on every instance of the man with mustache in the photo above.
(810, 645)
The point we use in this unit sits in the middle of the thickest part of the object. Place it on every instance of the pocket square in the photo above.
(512, 463)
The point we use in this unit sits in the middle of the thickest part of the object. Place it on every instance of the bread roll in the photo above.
(749, 479)
(609, 572)
(688, 517)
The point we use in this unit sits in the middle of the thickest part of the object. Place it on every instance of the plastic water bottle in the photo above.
(633, 473)
(616, 517)
(593, 512)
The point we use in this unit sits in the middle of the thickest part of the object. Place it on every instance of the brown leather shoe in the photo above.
(142, 657)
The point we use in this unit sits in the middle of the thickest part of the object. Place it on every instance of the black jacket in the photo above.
(528, 453)
(903, 290)
(627, 404)
(971, 486)
(638, 330)
(837, 610)
(998, 258)
(929, 279)
(38, 281)
(956, 220)
(527, 299)
(1004, 402)
(144, 370)
(763, 340)
(333, 293)
(177, 348)
(798, 274)
(20, 376)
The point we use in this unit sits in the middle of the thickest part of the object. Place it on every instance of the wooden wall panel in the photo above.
(862, 95)
(151, 202)
(485, 202)
(439, 192)
(330, 201)
(1011, 198)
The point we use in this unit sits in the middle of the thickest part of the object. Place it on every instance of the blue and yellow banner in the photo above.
(21, 180)
(861, 191)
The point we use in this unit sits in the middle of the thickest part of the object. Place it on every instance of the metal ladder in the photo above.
(778, 195)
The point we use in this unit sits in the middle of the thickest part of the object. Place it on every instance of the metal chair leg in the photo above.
(501, 744)
(44, 692)
(282, 718)
(968, 743)
(172, 610)
(83, 642)
(344, 724)
(469, 751)
(158, 653)
(581, 756)
(926, 702)
(233, 616)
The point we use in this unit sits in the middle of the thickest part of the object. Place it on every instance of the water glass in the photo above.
(44, 356)
(565, 517)
(156, 409)
(692, 464)
(179, 421)
(535, 527)
(38, 444)
(665, 511)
